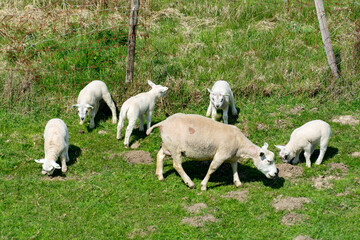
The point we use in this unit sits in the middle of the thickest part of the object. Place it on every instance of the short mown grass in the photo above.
(270, 53)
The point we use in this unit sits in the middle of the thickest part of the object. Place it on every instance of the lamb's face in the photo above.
(160, 90)
(48, 167)
(83, 110)
(217, 99)
(266, 163)
(285, 154)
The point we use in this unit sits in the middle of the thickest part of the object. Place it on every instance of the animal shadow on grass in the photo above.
(74, 154)
(232, 119)
(224, 176)
(330, 152)
(136, 134)
(103, 114)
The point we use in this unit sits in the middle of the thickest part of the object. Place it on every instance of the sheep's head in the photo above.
(217, 98)
(160, 90)
(48, 167)
(285, 154)
(264, 161)
(83, 110)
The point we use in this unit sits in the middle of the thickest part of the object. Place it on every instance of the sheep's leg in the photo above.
(296, 159)
(235, 174)
(307, 155)
(120, 126)
(111, 104)
(213, 112)
(129, 130)
(232, 103)
(159, 164)
(209, 110)
(323, 147)
(63, 162)
(148, 119)
(215, 164)
(225, 115)
(67, 153)
(178, 167)
(92, 115)
(141, 120)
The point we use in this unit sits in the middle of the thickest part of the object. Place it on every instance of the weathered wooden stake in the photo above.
(326, 37)
(135, 5)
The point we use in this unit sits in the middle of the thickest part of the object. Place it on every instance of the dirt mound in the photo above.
(346, 119)
(339, 167)
(301, 237)
(287, 170)
(292, 219)
(139, 157)
(289, 203)
(355, 154)
(238, 195)
(198, 221)
(323, 182)
(196, 207)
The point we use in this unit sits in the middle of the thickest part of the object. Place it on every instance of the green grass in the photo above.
(270, 53)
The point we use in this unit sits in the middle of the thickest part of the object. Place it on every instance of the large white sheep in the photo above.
(135, 107)
(56, 145)
(306, 138)
(88, 101)
(221, 97)
(201, 138)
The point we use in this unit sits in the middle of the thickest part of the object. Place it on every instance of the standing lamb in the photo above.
(201, 138)
(135, 107)
(89, 101)
(306, 138)
(220, 98)
(56, 145)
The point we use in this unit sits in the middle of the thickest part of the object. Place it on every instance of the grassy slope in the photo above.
(103, 196)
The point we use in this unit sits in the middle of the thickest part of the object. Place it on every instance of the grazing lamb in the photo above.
(220, 98)
(201, 138)
(56, 145)
(89, 99)
(135, 107)
(306, 138)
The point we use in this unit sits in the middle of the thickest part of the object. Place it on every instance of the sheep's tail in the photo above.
(123, 112)
(154, 126)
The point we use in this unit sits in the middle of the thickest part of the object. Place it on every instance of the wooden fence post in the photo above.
(326, 37)
(135, 5)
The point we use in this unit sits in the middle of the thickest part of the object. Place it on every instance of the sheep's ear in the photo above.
(75, 105)
(280, 147)
(265, 147)
(164, 89)
(209, 90)
(55, 165)
(253, 151)
(40, 161)
(151, 83)
(89, 106)
(226, 95)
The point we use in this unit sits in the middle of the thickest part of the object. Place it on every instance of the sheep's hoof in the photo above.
(238, 184)
(126, 145)
(114, 121)
(160, 177)
(203, 188)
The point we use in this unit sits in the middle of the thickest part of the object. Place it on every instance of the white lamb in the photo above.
(220, 98)
(306, 138)
(201, 138)
(135, 107)
(89, 101)
(56, 145)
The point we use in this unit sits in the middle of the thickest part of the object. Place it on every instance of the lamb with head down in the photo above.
(56, 145)
(201, 138)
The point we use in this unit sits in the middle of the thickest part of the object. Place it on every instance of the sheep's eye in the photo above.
(286, 157)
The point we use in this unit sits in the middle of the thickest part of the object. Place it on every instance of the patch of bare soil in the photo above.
(297, 109)
(355, 154)
(262, 126)
(288, 171)
(138, 156)
(196, 207)
(346, 119)
(323, 182)
(199, 221)
(340, 168)
(237, 195)
(141, 232)
(289, 203)
(292, 218)
(302, 237)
